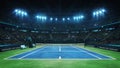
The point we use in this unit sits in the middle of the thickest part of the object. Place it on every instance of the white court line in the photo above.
(31, 53)
(60, 49)
(56, 59)
(87, 53)
(28, 54)
(24, 52)
(20, 53)
(102, 54)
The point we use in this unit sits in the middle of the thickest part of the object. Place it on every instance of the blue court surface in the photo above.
(60, 52)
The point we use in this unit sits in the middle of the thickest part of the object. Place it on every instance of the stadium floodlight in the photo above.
(56, 19)
(20, 12)
(16, 10)
(94, 13)
(78, 18)
(68, 18)
(51, 19)
(25, 13)
(38, 17)
(74, 18)
(99, 12)
(41, 18)
(81, 17)
(63, 19)
(103, 10)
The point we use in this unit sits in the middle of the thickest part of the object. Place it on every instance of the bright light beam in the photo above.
(20, 12)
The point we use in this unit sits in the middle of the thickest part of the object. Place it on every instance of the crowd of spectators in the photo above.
(15, 35)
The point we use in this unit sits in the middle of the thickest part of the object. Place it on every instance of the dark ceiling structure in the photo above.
(62, 8)
(59, 7)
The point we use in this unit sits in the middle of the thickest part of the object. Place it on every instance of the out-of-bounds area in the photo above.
(60, 56)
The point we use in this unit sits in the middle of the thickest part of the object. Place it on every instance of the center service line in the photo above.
(59, 48)
(87, 52)
(59, 51)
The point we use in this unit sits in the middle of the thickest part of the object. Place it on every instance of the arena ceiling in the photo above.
(62, 8)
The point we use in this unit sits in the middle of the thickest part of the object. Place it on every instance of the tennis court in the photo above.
(61, 51)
